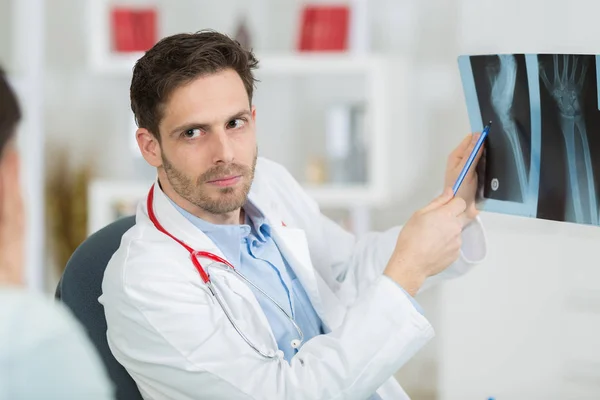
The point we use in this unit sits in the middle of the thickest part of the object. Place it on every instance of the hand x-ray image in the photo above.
(542, 156)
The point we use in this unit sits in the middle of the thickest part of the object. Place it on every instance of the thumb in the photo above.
(439, 201)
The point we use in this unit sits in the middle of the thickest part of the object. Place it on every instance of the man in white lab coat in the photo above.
(310, 311)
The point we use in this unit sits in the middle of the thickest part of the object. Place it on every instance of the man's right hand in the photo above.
(429, 242)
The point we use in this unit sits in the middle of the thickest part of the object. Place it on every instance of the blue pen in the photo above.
(465, 169)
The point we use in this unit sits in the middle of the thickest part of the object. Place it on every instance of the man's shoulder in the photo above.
(138, 240)
(275, 182)
(144, 255)
(266, 167)
(276, 178)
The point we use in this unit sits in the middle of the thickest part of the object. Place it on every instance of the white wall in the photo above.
(5, 33)
(525, 324)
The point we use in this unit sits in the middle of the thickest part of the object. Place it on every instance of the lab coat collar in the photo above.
(291, 241)
(182, 228)
(178, 225)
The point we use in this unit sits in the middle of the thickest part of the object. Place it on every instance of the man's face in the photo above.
(208, 142)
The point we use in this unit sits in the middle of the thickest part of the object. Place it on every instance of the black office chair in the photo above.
(79, 289)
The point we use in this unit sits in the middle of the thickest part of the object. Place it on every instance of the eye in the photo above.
(191, 133)
(236, 123)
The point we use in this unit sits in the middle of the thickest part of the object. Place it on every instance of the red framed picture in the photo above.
(324, 28)
(133, 29)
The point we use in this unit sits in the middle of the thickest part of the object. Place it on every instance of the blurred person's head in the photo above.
(191, 95)
(11, 213)
(10, 114)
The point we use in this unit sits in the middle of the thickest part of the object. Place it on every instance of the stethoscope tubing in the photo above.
(194, 254)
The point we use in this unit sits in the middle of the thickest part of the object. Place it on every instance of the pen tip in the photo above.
(489, 123)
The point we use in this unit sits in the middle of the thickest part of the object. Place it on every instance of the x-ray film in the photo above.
(542, 155)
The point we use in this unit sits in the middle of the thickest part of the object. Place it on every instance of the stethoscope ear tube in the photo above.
(210, 287)
(225, 309)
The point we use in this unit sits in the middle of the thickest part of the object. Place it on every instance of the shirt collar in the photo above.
(228, 237)
(259, 224)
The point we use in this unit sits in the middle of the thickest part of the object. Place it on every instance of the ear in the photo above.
(253, 113)
(149, 146)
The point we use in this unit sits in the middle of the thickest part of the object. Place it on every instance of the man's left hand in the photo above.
(468, 188)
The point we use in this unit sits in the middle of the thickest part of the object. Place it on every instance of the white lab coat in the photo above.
(176, 342)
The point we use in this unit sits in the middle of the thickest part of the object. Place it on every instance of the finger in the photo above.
(456, 206)
(471, 149)
(469, 215)
(471, 146)
(476, 160)
(460, 149)
(467, 154)
(439, 201)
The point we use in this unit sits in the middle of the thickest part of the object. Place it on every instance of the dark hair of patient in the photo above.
(10, 112)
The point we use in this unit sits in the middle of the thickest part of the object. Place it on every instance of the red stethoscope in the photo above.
(196, 254)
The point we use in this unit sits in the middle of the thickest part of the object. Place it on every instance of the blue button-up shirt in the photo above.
(251, 249)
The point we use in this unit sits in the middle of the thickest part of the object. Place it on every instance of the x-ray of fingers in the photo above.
(542, 155)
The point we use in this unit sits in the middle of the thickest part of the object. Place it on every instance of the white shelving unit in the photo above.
(26, 76)
(356, 198)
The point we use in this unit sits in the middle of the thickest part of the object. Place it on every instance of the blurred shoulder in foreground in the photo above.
(45, 353)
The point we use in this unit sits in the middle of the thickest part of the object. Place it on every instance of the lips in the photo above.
(226, 181)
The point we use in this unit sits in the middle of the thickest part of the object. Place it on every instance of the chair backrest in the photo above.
(79, 289)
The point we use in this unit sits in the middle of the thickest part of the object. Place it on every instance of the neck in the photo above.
(232, 218)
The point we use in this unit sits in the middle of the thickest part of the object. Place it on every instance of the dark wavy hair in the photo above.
(178, 59)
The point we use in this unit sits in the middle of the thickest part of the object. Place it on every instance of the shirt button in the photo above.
(295, 343)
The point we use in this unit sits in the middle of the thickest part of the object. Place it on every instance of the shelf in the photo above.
(103, 194)
(115, 63)
(293, 63)
(344, 195)
(105, 61)
(320, 63)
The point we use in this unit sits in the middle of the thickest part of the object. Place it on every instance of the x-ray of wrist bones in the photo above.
(503, 90)
(566, 88)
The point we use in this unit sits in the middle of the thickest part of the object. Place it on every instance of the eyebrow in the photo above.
(204, 126)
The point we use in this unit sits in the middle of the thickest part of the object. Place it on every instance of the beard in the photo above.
(214, 200)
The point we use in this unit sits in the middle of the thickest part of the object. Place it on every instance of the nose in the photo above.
(221, 147)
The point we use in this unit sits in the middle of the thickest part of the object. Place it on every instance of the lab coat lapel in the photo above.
(294, 247)
(293, 244)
